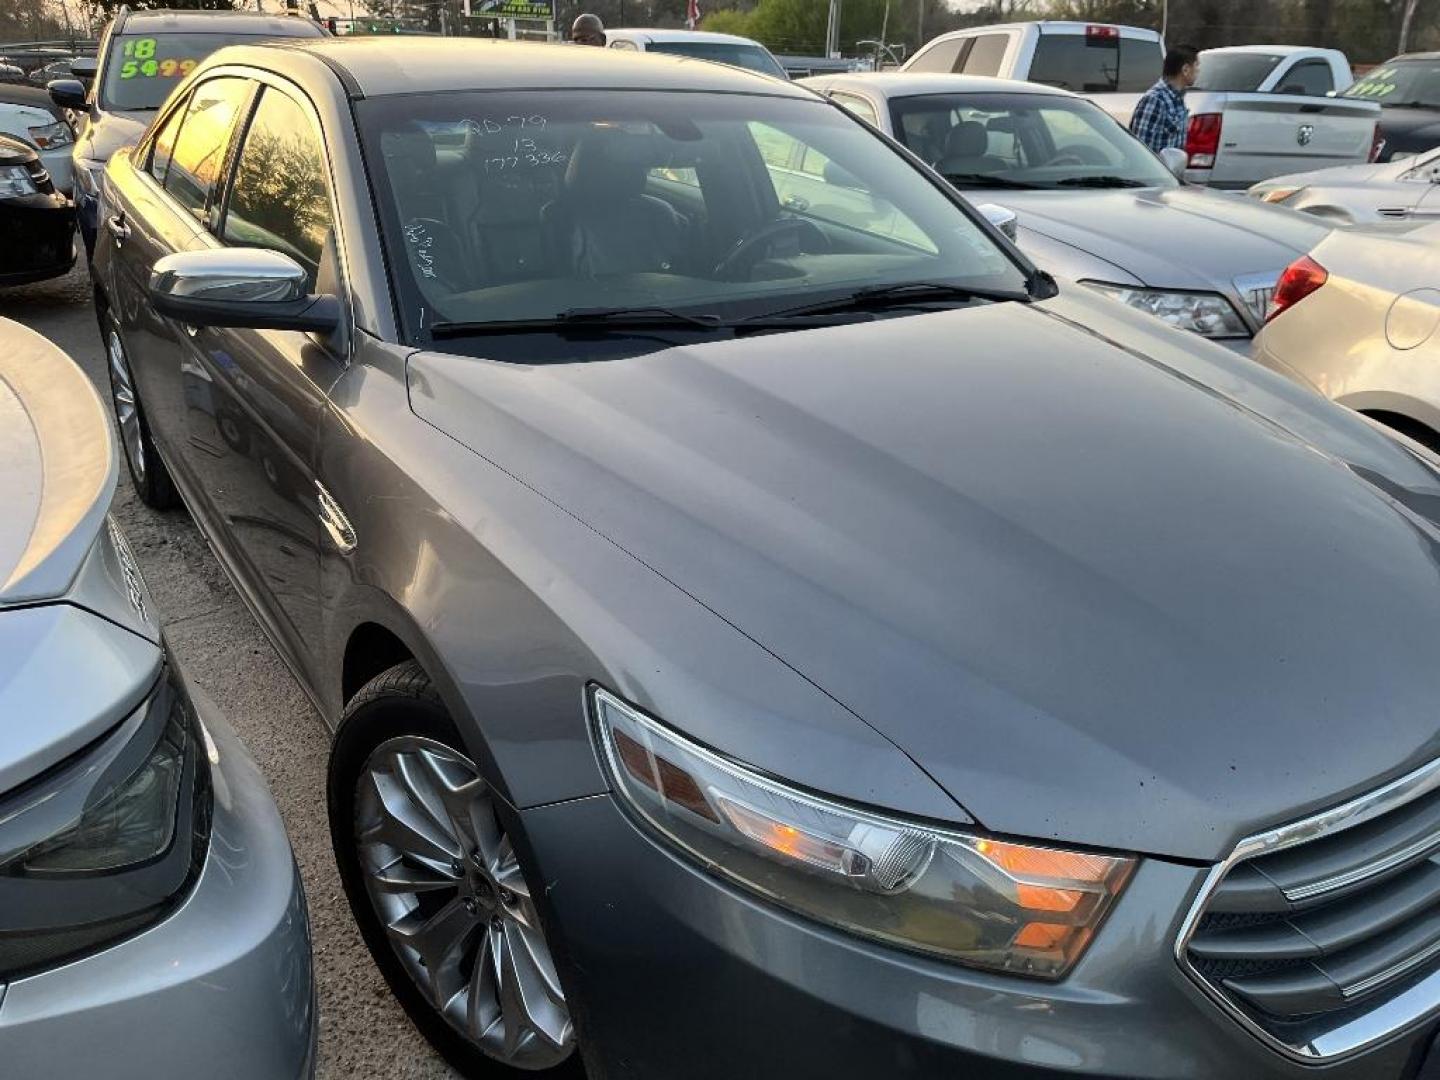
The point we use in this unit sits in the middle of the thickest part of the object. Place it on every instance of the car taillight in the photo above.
(1377, 143)
(1300, 279)
(1202, 140)
(1093, 31)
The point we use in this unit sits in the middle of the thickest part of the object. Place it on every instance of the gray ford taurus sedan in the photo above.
(151, 918)
(771, 638)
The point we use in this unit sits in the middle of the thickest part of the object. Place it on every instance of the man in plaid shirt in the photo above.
(1160, 115)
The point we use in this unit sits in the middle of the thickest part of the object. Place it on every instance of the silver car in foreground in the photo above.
(1093, 203)
(151, 919)
(1357, 319)
(1403, 190)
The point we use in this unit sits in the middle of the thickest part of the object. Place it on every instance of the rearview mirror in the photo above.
(67, 93)
(252, 288)
(1176, 160)
(1003, 218)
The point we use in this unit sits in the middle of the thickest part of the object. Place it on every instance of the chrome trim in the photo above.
(1363, 873)
(337, 525)
(1359, 1032)
(1393, 971)
(1256, 290)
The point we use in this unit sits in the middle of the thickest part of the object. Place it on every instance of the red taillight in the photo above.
(1377, 143)
(1202, 140)
(1300, 279)
(1102, 31)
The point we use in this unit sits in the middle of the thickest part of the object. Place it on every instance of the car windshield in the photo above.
(1234, 72)
(1023, 140)
(143, 69)
(751, 57)
(529, 207)
(1401, 82)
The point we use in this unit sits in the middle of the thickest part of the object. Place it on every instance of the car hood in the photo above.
(1104, 581)
(57, 467)
(113, 131)
(1409, 130)
(1361, 175)
(1186, 238)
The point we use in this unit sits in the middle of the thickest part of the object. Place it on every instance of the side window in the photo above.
(942, 56)
(1311, 77)
(199, 152)
(163, 146)
(986, 55)
(857, 105)
(279, 199)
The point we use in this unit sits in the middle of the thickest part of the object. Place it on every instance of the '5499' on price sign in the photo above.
(140, 62)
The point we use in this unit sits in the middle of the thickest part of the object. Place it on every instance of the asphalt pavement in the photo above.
(363, 1033)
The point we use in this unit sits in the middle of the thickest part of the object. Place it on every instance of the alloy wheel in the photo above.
(127, 412)
(445, 881)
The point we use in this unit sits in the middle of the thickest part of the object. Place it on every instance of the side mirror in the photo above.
(1176, 160)
(84, 67)
(252, 288)
(67, 93)
(1003, 218)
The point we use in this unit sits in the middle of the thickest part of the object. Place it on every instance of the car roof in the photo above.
(1051, 26)
(896, 84)
(378, 66)
(683, 35)
(1267, 50)
(1413, 56)
(260, 24)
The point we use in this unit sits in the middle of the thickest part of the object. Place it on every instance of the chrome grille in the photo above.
(1256, 290)
(1324, 936)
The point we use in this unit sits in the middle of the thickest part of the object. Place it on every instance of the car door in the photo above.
(157, 207)
(253, 452)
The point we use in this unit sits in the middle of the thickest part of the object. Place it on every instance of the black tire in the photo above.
(398, 702)
(148, 474)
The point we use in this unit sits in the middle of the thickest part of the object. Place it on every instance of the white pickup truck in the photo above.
(1284, 123)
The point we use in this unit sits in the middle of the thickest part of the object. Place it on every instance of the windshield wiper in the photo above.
(637, 318)
(1101, 182)
(988, 180)
(904, 294)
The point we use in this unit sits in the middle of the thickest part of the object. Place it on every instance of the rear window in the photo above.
(1096, 64)
(750, 57)
(1234, 72)
(1401, 82)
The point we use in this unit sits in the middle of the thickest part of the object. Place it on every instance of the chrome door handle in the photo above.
(118, 229)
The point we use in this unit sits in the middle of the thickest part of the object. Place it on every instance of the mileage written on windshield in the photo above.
(141, 61)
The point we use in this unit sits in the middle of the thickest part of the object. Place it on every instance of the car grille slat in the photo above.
(1310, 933)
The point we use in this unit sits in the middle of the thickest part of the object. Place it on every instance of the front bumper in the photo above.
(39, 235)
(673, 973)
(222, 987)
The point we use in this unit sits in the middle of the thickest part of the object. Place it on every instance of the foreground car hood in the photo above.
(1120, 588)
(1143, 231)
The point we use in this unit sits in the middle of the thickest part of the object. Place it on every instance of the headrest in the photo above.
(610, 163)
(967, 139)
(409, 150)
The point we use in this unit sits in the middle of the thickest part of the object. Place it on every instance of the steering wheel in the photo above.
(741, 258)
(1078, 154)
(1067, 159)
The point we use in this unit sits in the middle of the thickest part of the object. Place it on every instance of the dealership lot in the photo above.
(363, 1033)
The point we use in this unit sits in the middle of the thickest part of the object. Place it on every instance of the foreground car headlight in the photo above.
(16, 182)
(977, 900)
(1279, 194)
(1207, 314)
(106, 843)
(49, 136)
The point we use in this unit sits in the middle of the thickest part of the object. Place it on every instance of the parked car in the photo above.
(699, 45)
(1401, 190)
(1296, 70)
(39, 127)
(765, 641)
(143, 55)
(56, 69)
(36, 221)
(151, 917)
(1357, 320)
(1234, 139)
(1092, 202)
(1407, 89)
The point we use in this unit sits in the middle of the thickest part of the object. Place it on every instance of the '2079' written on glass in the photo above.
(513, 139)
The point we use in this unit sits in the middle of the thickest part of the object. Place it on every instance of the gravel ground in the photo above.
(363, 1033)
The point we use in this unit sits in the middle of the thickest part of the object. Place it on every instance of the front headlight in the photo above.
(1207, 314)
(1279, 194)
(978, 900)
(16, 182)
(49, 136)
(108, 842)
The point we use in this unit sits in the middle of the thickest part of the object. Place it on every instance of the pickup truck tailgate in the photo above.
(1268, 135)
